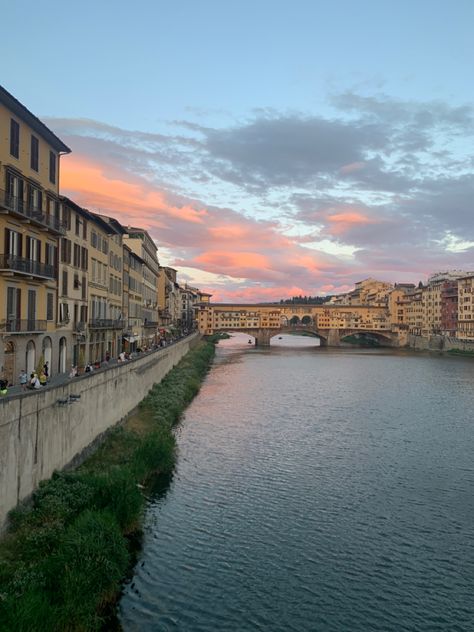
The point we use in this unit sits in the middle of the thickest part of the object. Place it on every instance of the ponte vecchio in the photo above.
(330, 323)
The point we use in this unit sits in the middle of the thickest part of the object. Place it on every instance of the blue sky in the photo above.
(302, 134)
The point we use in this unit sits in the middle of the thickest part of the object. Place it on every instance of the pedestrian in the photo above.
(34, 381)
(122, 357)
(23, 378)
(73, 372)
(42, 378)
(46, 369)
(3, 388)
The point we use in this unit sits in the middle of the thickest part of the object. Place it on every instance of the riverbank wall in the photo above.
(439, 343)
(49, 430)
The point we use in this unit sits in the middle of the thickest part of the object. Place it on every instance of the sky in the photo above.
(271, 148)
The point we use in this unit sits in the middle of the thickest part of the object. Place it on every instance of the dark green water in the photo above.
(316, 490)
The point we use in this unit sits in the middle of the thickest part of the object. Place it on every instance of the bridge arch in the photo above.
(366, 338)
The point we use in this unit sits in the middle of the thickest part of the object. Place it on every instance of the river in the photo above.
(315, 490)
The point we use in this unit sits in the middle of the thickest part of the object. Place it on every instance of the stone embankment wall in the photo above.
(45, 431)
(439, 343)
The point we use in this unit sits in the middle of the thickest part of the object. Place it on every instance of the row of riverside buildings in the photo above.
(75, 286)
(444, 306)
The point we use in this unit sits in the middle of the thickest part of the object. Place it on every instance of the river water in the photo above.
(315, 490)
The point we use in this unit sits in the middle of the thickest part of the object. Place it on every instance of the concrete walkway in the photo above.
(63, 378)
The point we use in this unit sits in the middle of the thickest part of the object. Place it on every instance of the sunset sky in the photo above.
(270, 147)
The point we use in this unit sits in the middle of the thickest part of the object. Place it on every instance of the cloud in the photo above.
(385, 185)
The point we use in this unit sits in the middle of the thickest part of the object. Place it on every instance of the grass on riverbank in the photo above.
(65, 556)
(462, 352)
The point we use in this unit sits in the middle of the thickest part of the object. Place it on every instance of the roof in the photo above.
(33, 121)
(113, 223)
(82, 211)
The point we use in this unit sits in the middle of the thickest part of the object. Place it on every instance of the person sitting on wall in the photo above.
(46, 370)
(73, 372)
(3, 388)
(43, 379)
(34, 381)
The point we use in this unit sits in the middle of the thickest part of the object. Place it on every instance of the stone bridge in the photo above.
(327, 337)
(331, 323)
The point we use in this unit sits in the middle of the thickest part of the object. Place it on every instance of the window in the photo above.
(84, 291)
(49, 306)
(76, 282)
(64, 312)
(84, 259)
(34, 157)
(52, 167)
(33, 249)
(13, 243)
(77, 256)
(64, 285)
(50, 254)
(94, 239)
(67, 217)
(35, 199)
(65, 250)
(14, 138)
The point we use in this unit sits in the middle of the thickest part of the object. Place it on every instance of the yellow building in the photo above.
(30, 226)
(105, 304)
(132, 298)
(140, 242)
(72, 312)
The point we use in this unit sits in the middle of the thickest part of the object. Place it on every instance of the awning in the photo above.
(130, 338)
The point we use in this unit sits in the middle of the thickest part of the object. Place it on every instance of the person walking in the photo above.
(46, 370)
(23, 379)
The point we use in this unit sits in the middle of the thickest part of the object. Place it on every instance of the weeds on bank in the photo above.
(65, 556)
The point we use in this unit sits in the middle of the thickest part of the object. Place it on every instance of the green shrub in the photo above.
(66, 554)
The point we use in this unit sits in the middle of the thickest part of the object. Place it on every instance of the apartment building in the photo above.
(140, 243)
(105, 326)
(465, 319)
(72, 309)
(30, 227)
(132, 299)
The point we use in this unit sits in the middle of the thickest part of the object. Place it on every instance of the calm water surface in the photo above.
(315, 490)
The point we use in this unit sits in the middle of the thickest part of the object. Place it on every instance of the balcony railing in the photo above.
(17, 326)
(26, 266)
(18, 206)
(106, 323)
(150, 323)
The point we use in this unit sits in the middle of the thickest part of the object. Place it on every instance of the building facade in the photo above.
(30, 227)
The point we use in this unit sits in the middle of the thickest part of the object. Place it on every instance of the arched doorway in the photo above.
(62, 355)
(306, 320)
(47, 351)
(9, 362)
(30, 357)
(294, 320)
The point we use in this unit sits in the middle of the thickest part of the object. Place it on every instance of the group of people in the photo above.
(36, 379)
(40, 378)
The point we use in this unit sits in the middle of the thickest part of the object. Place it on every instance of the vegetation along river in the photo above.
(315, 490)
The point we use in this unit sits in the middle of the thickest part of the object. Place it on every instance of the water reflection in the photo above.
(326, 489)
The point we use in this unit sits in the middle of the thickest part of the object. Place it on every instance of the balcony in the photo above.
(150, 323)
(18, 207)
(17, 326)
(26, 267)
(106, 323)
